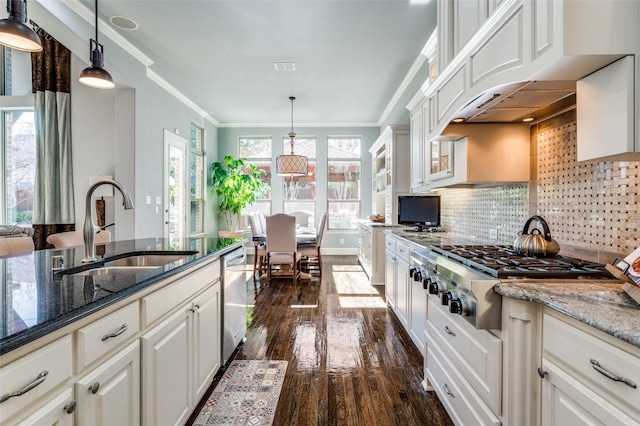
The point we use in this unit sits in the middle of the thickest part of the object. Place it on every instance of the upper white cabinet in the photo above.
(390, 156)
(484, 44)
(606, 113)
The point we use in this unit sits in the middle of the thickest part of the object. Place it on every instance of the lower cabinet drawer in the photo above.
(476, 353)
(31, 377)
(591, 359)
(457, 396)
(99, 337)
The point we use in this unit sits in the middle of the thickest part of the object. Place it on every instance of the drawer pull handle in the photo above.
(94, 388)
(542, 373)
(600, 369)
(26, 388)
(70, 407)
(446, 389)
(449, 332)
(116, 333)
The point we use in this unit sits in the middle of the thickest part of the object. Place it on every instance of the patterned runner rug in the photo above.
(247, 394)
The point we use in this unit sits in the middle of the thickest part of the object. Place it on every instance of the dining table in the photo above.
(303, 235)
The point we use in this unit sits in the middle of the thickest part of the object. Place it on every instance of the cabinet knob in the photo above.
(542, 373)
(94, 388)
(70, 407)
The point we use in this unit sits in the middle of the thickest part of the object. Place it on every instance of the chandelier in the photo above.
(291, 164)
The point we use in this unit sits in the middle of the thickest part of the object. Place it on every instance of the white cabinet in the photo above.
(401, 282)
(206, 362)
(390, 158)
(390, 287)
(179, 359)
(57, 412)
(371, 251)
(166, 373)
(606, 113)
(110, 394)
(589, 377)
(418, 316)
(31, 378)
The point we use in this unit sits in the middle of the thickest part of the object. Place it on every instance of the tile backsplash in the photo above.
(591, 207)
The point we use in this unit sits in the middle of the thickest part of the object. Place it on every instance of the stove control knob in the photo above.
(412, 271)
(445, 296)
(417, 276)
(433, 287)
(459, 306)
(426, 282)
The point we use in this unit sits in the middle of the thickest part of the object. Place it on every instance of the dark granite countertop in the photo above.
(35, 300)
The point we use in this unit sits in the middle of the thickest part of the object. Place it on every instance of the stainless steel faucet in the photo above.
(90, 229)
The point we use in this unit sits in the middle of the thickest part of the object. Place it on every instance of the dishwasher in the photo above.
(234, 301)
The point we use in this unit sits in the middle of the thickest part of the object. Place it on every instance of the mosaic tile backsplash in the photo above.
(591, 207)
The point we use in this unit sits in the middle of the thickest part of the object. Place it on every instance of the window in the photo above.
(19, 157)
(299, 192)
(257, 150)
(343, 192)
(18, 133)
(197, 182)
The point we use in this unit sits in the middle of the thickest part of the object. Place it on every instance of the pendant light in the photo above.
(14, 32)
(95, 75)
(291, 165)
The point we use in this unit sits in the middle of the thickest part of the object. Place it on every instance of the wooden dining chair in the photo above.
(281, 244)
(311, 251)
(260, 247)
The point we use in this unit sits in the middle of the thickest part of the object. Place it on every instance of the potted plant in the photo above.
(236, 184)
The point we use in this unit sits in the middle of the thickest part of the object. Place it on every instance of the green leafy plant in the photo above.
(236, 184)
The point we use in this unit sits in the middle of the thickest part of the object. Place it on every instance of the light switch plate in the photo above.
(158, 200)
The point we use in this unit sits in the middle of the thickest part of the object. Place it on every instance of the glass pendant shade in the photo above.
(14, 32)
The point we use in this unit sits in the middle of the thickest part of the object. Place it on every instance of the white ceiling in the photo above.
(351, 56)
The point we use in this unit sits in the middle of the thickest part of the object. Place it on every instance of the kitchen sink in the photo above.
(136, 264)
(117, 270)
(148, 260)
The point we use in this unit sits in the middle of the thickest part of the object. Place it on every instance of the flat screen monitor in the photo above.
(419, 210)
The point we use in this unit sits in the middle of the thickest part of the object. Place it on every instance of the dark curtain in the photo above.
(54, 209)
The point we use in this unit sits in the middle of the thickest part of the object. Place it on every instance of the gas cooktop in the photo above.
(501, 261)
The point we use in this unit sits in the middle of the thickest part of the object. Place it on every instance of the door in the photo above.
(110, 394)
(206, 311)
(175, 188)
(57, 412)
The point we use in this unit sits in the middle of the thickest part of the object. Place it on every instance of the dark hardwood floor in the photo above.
(350, 360)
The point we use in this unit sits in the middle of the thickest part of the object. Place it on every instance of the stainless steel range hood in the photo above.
(513, 102)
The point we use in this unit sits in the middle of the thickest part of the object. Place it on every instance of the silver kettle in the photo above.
(536, 243)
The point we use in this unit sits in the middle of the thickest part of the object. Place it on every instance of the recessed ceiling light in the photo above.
(285, 66)
(528, 119)
(458, 120)
(124, 23)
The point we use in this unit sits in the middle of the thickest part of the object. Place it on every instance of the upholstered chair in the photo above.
(281, 244)
(311, 251)
(260, 247)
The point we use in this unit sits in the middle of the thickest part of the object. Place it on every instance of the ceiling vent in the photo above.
(285, 66)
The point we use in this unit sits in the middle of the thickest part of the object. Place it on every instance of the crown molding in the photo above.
(298, 125)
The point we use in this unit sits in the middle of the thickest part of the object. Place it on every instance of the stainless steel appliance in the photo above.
(234, 301)
(463, 276)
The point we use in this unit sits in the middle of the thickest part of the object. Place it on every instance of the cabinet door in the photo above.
(110, 394)
(166, 374)
(403, 292)
(416, 148)
(418, 302)
(206, 328)
(566, 401)
(54, 413)
(390, 279)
